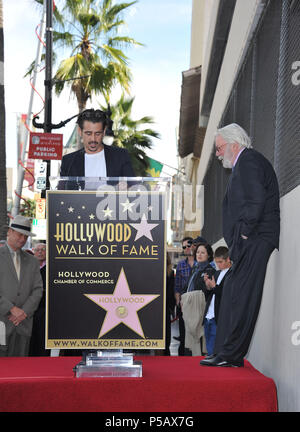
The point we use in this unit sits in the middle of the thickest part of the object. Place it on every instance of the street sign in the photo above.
(45, 146)
(40, 176)
(41, 183)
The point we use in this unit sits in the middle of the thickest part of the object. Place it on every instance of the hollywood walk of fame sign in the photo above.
(106, 270)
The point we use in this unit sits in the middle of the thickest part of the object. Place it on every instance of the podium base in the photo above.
(108, 364)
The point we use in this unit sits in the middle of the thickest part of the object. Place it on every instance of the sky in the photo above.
(163, 26)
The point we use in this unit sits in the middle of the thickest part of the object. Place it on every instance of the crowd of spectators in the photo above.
(198, 289)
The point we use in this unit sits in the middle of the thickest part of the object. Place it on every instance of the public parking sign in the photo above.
(45, 146)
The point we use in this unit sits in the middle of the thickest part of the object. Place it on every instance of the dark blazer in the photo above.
(117, 160)
(251, 202)
(217, 291)
(170, 297)
(37, 340)
(43, 276)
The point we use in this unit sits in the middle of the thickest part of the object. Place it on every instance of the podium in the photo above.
(106, 270)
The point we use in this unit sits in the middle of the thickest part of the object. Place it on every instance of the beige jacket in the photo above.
(193, 307)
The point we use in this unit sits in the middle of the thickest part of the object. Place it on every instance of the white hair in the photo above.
(233, 133)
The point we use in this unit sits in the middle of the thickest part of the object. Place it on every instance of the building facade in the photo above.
(249, 56)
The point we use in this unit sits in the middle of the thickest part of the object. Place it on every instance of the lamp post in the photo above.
(48, 81)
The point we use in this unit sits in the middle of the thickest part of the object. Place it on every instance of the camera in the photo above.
(210, 272)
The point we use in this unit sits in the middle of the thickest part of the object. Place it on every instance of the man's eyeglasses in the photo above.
(218, 148)
(187, 246)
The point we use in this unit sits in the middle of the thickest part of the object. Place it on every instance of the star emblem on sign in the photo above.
(143, 228)
(107, 212)
(121, 306)
(127, 206)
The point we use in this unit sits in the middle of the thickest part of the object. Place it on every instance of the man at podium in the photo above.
(95, 159)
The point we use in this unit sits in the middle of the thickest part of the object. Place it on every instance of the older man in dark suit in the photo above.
(95, 159)
(21, 289)
(251, 226)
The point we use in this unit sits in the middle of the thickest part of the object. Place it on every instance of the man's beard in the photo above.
(93, 146)
(227, 158)
(227, 163)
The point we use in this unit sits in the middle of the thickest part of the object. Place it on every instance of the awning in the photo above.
(190, 135)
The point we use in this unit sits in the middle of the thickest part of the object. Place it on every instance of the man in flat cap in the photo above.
(21, 289)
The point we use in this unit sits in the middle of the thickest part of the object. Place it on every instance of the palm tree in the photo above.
(132, 134)
(3, 187)
(91, 31)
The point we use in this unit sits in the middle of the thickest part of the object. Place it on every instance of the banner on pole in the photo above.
(40, 209)
(155, 168)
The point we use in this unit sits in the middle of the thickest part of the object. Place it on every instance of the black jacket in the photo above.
(251, 202)
(217, 291)
(117, 160)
